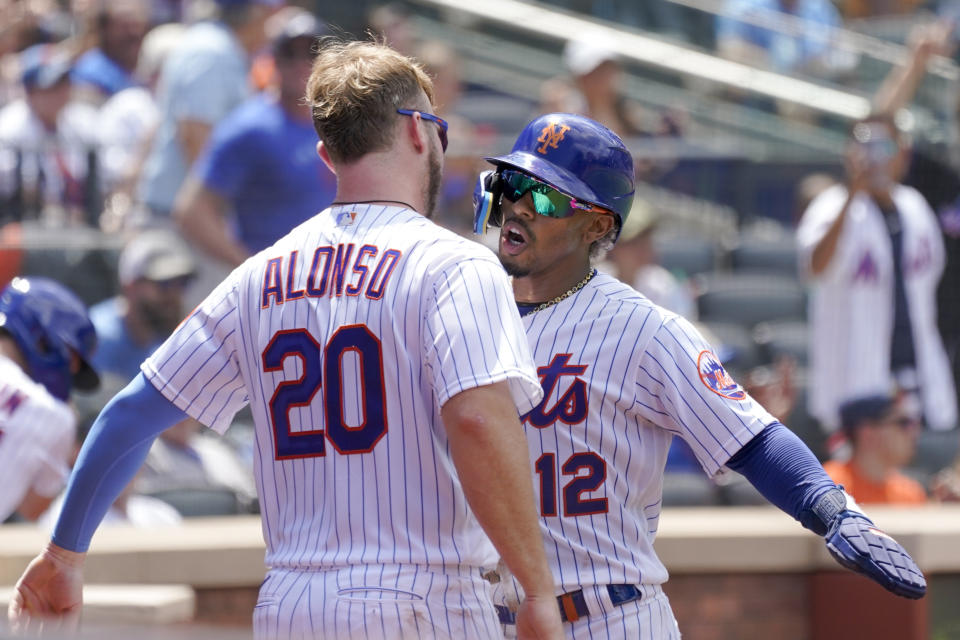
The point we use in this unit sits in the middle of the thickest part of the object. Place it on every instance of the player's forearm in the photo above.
(490, 454)
(114, 450)
(785, 472)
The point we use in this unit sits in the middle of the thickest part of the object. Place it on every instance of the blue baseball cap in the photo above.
(43, 66)
(873, 407)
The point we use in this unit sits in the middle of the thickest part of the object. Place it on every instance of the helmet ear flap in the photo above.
(487, 195)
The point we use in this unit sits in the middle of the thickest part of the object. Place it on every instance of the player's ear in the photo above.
(600, 225)
(325, 156)
(411, 127)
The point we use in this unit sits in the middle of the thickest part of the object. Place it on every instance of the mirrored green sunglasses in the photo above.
(547, 201)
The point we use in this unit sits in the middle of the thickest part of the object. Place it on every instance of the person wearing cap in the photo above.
(155, 268)
(47, 144)
(883, 437)
(633, 260)
(261, 165)
(202, 80)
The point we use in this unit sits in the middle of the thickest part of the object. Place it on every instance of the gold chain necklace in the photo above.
(567, 293)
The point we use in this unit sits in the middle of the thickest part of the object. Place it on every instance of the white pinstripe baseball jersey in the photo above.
(621, 377)
(37, 433)
(346, 337)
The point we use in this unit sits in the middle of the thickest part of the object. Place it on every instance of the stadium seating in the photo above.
(782, 338)
(749, 298)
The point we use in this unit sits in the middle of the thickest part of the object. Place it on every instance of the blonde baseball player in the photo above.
(384, 363)
(621, 378)
(46, 340)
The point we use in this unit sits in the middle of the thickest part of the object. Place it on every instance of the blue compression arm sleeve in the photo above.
(117, 445)
(786, 472)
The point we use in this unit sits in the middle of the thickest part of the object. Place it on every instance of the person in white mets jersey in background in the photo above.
(384, 362)
(46, 341)
(621, 378)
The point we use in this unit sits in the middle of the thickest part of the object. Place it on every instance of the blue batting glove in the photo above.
(857, 544)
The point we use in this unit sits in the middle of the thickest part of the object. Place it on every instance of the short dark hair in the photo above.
(855, 412)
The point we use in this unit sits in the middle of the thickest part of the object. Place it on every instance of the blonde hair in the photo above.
(354, 91)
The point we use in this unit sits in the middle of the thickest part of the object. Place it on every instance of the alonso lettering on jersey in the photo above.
(333, 271)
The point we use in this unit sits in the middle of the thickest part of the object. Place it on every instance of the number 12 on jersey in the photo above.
(319, 365)
(572, 494)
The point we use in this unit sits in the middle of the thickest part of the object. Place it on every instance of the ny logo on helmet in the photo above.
(551, 135)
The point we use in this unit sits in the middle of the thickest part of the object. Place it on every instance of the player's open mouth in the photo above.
(513, 238)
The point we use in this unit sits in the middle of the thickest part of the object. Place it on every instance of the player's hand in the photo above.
(856, 543)
(539, 619)
(49, 594)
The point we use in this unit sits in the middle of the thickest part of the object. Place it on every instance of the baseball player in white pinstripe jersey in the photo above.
(46, 339)
(621, 378)
(384, 362)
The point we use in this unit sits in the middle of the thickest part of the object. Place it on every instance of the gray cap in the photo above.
(156, 255)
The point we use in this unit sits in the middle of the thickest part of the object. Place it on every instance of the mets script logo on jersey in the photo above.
(716, 378)
(571, 406)
(346, 218)
(551, 135)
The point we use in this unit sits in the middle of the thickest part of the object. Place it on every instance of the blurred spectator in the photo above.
(261, 164)
(154, 269)
(597, 78)
(634, 261)
(129, 118)
(392, 21)
(808, 48)
(773, 386)
(598, 92)
(874, 254)
(109, 67)
(883, 438)
(184, 458)
(202, 80)
(129, 508)
(873, 8)
(48, 160)
(932, 173)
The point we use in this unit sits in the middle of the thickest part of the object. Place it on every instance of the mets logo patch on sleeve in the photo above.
(716, 378)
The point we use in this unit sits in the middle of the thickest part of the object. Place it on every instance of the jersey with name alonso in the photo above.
(346, 337)
(621, 377)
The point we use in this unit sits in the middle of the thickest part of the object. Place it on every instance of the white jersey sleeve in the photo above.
(683, 388)
(197, 368)
(473, 335)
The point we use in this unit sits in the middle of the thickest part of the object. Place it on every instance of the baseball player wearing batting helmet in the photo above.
(46, 341)
(384, 363)
(621, 378)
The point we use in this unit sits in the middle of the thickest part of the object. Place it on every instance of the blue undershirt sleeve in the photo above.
(785, 471)
(112, 454)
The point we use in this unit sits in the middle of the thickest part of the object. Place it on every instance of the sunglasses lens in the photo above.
(547, 201)
(443, 138)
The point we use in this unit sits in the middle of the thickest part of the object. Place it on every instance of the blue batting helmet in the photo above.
(49, 323)
(572, 153)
